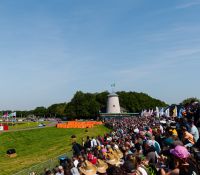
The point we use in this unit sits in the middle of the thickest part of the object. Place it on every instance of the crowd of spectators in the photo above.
(139, 146)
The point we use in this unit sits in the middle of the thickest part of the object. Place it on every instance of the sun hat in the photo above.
(88, 169)
(119, 153)
(111, 151)
(180, 152)
(101, 166)
(112, 159)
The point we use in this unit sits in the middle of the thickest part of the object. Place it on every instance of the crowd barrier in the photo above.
(78, 124)
(49, 164)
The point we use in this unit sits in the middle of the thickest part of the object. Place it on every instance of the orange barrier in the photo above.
(78, 124)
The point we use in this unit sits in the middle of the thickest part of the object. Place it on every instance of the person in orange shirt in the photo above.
(188, 139)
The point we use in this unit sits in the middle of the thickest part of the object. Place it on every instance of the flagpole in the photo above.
(12, 120)
(7, 118)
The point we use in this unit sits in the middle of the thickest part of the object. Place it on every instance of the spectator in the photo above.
(188, 138)
(181, 162)
(194, 131)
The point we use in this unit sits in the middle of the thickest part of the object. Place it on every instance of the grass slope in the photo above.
(35, 146)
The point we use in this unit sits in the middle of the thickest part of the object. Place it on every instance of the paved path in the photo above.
(52, 124)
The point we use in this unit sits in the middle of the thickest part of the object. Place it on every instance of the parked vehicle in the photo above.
(41, 125)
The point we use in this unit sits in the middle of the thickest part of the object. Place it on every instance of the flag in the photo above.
(5, 115)
(142, 113)
(157, 112)
(10, 115)
(161, 111)
(113, 85)
(167, 112)
(13, 114)
(180, 114)
(151, 112)
(175, 111)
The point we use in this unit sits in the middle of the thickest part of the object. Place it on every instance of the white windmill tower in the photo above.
(113, 106)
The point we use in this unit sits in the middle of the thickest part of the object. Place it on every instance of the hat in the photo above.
(88, 169)
(112, 159)
(119, 153)
(60, 167)
(180, 152)
(108, 146)
(149, 143)
(136, 131)
(111, 151)
(101, 166)
(148, 134)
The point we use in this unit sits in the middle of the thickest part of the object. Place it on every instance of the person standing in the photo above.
(194, 131)
(93, 142)
(87, 143)
(77, 148)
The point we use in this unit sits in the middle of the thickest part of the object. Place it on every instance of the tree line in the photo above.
(88, 105)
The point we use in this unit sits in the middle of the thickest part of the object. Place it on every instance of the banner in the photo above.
(5, 115)
(167, 112)
(157, 112)
(13, 114)
(175, 112)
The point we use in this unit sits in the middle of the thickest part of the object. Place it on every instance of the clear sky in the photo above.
(49, 49)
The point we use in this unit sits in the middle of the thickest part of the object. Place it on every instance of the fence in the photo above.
(79, 124)
(39, 168)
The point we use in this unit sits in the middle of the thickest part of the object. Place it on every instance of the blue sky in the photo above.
(49, 49)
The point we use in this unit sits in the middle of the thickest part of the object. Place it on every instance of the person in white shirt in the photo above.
(75, 161)
(93, 142)
(194, 131)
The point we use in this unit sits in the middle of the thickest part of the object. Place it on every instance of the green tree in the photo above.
(189, 100)
(101, 98)
(57, 110)
(88, 105)
(40, 111)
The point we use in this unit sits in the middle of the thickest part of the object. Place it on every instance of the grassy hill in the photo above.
(35, 146)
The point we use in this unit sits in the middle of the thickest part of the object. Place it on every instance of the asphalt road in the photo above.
(52, 124)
